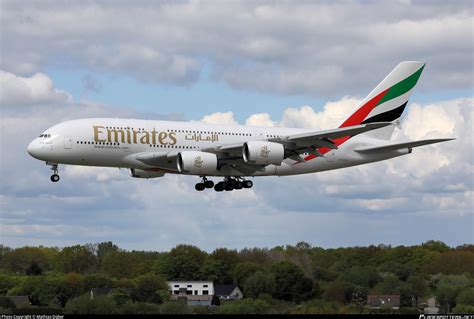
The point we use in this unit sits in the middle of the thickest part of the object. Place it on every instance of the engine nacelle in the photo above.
(141, 173)
(263, 153)
(194, 162)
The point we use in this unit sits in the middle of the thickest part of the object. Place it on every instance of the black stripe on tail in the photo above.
(388, 116)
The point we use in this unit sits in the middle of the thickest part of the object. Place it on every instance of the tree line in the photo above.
(282, 279)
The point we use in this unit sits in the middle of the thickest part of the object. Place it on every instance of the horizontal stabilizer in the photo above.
(394, 147)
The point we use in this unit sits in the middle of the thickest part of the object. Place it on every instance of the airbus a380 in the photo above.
(153, 148)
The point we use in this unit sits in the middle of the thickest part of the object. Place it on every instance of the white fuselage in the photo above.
(113, 142)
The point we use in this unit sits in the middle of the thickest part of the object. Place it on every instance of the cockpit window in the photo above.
(45, 135)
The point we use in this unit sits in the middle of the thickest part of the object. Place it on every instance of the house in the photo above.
(385, 301)
(228, 292)
(97, 292)
(193, 292)
(20, 301)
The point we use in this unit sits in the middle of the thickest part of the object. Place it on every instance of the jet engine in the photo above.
(141, 173)
(263, 153)
(194, 162)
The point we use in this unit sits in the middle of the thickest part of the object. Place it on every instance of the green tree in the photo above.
(120, 296)
(259, 283)
(418, 287)
(226, 259)
(463, 309)
(365, 276)
(105, 248)
(452, 262)
(243, 270)
(34, 269)
(98, 281)
(7, 282)
(22, 259)
(466, 297)
(323, 274)
(148, 285)
(359, 296)
(182, 263)
(291, 284)
(389, 286)
(216, 271)
(339, 291)
(435, 245)
(75, 259)
(118, 264)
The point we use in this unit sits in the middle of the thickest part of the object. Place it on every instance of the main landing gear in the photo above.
(55, 177)
(228, 184)
(204, 184)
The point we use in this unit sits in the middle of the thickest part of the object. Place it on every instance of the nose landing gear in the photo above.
(55, 177)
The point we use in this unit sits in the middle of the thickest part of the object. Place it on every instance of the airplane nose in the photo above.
(33, 149)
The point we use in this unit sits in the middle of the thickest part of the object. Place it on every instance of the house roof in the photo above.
(379, 300)
(101, 291)
(106, 291)
(224, 290)
(19, 300)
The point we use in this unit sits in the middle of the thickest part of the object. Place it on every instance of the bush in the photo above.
(6, 303)
(139, 308)
(174, 308)
(85, 305)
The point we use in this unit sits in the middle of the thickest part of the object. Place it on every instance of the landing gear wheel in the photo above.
(200, 187)
(229, 187)
(209, 184)
(248, 184)
(239, 185)
(218, 187)
(54, 178)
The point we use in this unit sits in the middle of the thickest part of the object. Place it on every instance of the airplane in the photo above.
(150, 149)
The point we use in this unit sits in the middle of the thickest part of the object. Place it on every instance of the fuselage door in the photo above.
(67, 142)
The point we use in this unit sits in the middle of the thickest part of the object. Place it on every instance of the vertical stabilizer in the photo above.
(388, 100)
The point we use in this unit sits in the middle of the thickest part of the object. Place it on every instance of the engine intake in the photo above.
(194, 162)
(263, 153)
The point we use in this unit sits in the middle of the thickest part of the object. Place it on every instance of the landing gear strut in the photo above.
(205, 183)
(55, 177)
(230, 183)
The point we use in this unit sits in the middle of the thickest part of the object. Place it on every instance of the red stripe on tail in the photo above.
(354, 119)
(364, 110)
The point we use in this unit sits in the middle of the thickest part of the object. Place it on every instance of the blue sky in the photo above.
(270, 63)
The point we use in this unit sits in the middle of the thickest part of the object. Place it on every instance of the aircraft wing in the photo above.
(231, 154)
(303, 143)
(394, 147)
(321, 138)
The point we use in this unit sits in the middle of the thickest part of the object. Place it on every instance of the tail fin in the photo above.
(388, 100)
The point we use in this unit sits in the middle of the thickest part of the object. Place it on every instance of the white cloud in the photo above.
(333, 114)
(224, 118)
(260, 119)
(37, 89)
(401, 201)
(323, 48)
